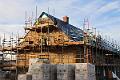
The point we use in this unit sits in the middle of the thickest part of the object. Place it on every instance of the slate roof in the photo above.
(73, 32)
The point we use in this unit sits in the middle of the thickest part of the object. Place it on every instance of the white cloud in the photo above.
(13, 12)
(112, 31)
(10, 30)
(107, 7)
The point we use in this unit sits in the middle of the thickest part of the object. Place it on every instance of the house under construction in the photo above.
(55, 41)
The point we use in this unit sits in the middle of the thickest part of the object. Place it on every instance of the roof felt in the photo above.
(73, 32)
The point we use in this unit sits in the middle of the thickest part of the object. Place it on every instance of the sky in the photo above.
(102, 14)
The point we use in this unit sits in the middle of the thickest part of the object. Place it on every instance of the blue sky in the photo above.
(102, 14)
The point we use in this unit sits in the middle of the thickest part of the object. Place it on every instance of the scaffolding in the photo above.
(63, 45)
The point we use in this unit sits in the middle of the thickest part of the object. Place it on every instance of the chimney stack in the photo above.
(66, 19)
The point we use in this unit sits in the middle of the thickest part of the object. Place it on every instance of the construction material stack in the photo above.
(65, 72)
(84, 71)
(25, 77)
(43, 71)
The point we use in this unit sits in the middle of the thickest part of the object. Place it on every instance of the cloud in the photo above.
(107, 7)
(11, 30)
(112, 32)
(102, 14)
(12, 12)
